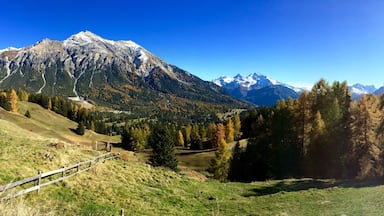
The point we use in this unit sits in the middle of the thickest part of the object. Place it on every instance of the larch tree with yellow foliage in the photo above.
(8, 100)
(237, 127)
(229, 131)
(12, 100)
(220, 164)
(180, 138)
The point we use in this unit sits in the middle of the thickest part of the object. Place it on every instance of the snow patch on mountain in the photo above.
(44, 83)
(123, 53)
(360, 89)
(10, 49)
(250, 82)
(256, 81)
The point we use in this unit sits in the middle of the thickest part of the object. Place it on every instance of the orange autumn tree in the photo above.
(12, 100)
(220, 164)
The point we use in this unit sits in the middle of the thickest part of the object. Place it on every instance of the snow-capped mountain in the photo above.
(362, 89)
(263, 90)
(379, 91)
(252, 81)
(257, 88)
(358, 90)
(118, 73)
(9, 49)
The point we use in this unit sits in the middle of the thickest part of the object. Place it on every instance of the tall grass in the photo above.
(19, 207)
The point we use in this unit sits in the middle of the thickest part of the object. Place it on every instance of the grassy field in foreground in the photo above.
(140, 189)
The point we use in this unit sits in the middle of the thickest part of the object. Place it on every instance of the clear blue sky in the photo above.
(294, 41)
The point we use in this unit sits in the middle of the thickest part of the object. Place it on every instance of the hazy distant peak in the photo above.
(360, 89)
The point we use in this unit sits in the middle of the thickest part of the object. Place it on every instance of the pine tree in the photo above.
(163, 152)
(286, 148)
(80, 130)
(127, 140)
(237, 164)
(196, 142)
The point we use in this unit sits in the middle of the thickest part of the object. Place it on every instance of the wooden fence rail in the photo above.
(66, 172)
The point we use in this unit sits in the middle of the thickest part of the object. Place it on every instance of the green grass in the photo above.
(140, 189)
(199, 160)
(50, 124)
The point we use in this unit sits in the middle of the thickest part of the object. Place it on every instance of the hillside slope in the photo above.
(140, 189)
(50, 125)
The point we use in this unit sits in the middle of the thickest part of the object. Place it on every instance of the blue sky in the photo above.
(293, 41)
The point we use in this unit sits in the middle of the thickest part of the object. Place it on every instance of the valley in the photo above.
(140, 189)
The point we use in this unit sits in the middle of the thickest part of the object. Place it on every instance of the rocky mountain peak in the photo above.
(121, 73)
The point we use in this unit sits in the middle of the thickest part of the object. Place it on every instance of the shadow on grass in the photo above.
(192, 152)
(118, 145)
(305, 184)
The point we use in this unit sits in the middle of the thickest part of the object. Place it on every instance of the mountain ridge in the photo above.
(260, 89)
(257, 88)
(249, 88)
(121, 74)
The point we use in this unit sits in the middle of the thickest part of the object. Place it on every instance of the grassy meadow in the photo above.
(28, 145)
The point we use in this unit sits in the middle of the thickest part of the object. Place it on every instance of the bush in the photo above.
(80, 130)
(27, 114)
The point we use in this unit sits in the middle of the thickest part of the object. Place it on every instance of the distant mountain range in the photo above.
(257, 88)
(118, 74)
(262, 90)
(123, 75)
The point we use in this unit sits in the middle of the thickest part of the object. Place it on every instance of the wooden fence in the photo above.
(60, 174)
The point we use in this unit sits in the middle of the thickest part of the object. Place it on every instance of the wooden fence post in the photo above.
(38, 181)
(109, 147)
(63, 173)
